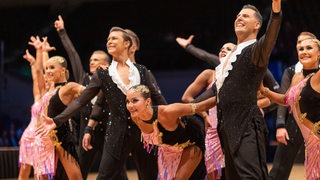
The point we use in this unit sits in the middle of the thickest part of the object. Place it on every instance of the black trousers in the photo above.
(249, 161)
(285, 154)
(86, 158)
(112, 168)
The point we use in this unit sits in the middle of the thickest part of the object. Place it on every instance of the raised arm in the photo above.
(201, 54)
(77, 68)
(266, 43)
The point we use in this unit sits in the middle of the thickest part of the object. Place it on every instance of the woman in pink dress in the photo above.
(214, 157)
(303, 97)
(177, 136)
(32, 147)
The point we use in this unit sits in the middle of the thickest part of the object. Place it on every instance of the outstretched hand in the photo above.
(46, 46)
(46, 126)
(35, 42)
(29, 57)
(184, 42)
(276, 6)
(59, 24)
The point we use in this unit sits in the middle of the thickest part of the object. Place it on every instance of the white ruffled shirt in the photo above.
(222, 73)
(134, 76)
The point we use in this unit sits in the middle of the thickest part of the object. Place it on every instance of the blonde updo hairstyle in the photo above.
(63, 63)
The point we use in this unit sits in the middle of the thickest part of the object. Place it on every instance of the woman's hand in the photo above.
(46, 126)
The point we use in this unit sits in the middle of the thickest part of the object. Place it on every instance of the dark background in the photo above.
(156, 22)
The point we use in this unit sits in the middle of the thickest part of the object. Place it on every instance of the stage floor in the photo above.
(297, 173)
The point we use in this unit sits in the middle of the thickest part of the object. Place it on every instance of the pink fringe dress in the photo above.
(312, 142)
(36, 151)
(169, 156)
(214, 156)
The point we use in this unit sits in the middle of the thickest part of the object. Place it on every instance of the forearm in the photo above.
(77, 68)
(281, 116)
(275, 97)
(203, 55)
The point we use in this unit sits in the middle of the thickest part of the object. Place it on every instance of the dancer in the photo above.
(214, 157)
(288, 134)
(122, 135)
(31, 146)
(98, 58)
(240, 122)
(179, 137)
(214, 60)
(303, 99)
(65, 92)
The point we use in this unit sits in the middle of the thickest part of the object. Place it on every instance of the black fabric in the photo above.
(119, 124)
(64, 133)
(310, 102)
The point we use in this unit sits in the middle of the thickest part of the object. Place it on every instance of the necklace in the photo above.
(305, 72)
(60, 84)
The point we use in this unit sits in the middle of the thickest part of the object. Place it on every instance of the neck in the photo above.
(148, 113)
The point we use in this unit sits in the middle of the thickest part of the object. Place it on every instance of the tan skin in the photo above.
(67, 93)
(168, 117)
(308, 54)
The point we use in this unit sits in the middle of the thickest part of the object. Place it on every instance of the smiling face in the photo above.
(136, 103)
(246, 23)
(96, 60)
(226, 49)
(54, 72)
(308, 53)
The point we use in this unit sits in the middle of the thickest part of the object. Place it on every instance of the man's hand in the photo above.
(59, 24)
(282, 135)
(276, 6)
(86, 142)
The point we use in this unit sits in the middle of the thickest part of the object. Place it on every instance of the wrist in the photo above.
(266, 92)
(32, 62)
(88, 129)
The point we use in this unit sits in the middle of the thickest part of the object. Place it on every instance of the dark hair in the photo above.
(142, 89)
(257, 13)
(126, 36)
(134, 37)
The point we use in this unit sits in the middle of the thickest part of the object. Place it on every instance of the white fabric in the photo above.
(227, 61)
(134, 76)
(298, 67)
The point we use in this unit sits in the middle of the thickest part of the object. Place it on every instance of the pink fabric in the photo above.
(312, 142)
(34, 150)
(27, 138)
(168, 156)
(214, 156)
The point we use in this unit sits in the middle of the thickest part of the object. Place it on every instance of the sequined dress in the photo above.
(304, 103)
(170, 145)
(35, 150)
(214, 157)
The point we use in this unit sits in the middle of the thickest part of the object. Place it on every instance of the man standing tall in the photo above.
(238, 77)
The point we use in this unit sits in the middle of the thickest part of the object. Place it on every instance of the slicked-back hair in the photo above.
(257, 13)
(126, 36)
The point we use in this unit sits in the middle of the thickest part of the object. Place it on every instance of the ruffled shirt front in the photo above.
(222, 70)
(134, 76)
